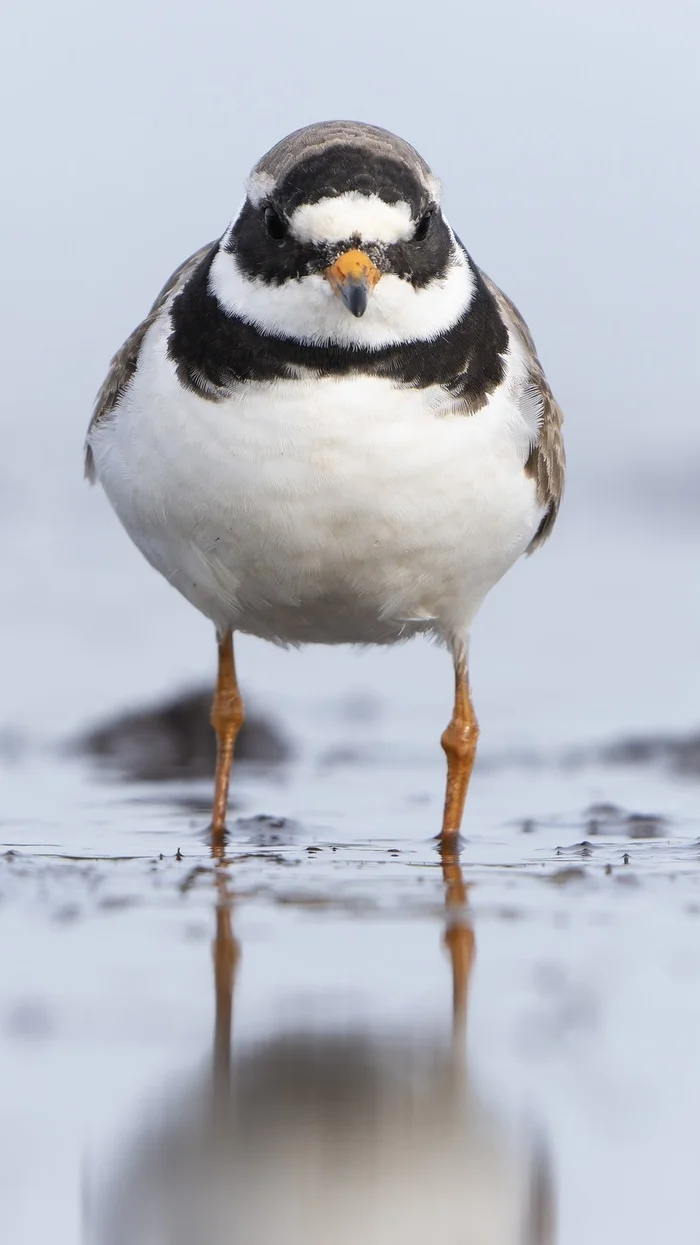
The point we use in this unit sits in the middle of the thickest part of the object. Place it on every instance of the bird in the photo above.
(332, 427)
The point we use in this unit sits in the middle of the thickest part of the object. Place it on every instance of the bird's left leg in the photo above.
(459, 743)
(227, 718)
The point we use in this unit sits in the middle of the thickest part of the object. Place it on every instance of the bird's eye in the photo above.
(274, 224)
(423, 226)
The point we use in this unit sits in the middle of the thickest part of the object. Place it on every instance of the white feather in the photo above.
(259, 186)
(324, 510)
(309, 310)
(335, 219)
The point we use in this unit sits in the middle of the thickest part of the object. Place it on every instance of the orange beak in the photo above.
(353, 276)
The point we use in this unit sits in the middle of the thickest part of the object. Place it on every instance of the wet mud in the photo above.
(174, 741)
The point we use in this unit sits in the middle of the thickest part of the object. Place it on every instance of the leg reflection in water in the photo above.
(317, 1138)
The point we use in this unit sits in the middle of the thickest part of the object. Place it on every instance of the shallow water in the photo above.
(583, 1015)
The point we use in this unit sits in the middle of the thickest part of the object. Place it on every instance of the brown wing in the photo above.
(123, 365)
(546, 462)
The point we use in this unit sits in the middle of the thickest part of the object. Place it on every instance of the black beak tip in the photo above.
(355, 298)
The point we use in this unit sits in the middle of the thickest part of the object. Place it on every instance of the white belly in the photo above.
(327, 510)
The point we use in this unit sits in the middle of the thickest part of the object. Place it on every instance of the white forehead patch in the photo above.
(339, 218)
(259, 186)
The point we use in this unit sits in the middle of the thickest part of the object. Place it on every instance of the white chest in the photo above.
(331, 509)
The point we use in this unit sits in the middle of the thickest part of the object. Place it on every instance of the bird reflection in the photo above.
(226, 956)
(331, 1139)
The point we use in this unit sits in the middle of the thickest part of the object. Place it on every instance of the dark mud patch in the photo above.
(680, 754)
(174, 741)
(604, 819)
(266, 831)
(583, 850)
(600, 821)
(674, 753)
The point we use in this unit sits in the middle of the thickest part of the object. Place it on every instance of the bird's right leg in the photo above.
(459, 742)
(227, 716)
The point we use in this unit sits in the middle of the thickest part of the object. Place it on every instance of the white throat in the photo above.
(309, 311)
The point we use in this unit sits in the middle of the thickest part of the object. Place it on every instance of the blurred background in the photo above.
(565, 136)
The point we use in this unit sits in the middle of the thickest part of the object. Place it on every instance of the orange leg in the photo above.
(459, 937)
(226, 718)
(459, 743)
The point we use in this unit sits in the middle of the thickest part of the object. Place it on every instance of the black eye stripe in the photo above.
(262, 256)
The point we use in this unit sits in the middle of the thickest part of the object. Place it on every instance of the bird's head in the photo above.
(342, 240)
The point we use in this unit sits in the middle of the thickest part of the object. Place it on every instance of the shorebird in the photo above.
(332, 427)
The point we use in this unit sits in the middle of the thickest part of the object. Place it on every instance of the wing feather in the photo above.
(124, 363)
(546, 462)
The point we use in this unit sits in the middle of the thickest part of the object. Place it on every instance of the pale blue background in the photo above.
(566, 138)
